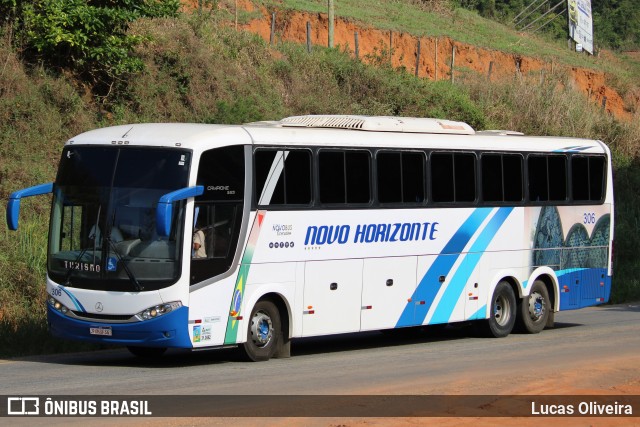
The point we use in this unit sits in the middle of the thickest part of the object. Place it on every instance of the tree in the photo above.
(88, 37)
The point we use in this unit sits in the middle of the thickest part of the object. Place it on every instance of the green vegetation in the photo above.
(196, 70)
(463, 25)
(616, 23)
(87, 37)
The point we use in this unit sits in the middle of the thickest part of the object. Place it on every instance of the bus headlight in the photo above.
(158, 310)
(57, 305)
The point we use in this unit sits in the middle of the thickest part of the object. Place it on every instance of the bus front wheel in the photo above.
(503, 312)
(264, 332)
(533, 311)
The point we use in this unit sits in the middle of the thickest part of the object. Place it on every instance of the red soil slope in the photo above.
(435, 54)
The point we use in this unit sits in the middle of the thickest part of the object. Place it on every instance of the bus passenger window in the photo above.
(501, 177)
(400, 177)
(344, 176)
(538, 184)
(453, 177)
(283, 177)
(547, 178)
(557, 178)
(587, 178)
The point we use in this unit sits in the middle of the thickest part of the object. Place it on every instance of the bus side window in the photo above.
(547, 178)
(344, 176)
(587, 178)
(400, 177)
(213, 230)
(283, 177)
(217, 213)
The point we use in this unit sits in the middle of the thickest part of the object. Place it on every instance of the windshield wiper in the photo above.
(125, 267)
(70, 270)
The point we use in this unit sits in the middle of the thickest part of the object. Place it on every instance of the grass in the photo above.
(200, 71)
(411, 16)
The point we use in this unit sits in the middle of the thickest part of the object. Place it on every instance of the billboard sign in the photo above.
(581, 23)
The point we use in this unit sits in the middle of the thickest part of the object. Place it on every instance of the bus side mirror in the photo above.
(164, 211)
(13, 207)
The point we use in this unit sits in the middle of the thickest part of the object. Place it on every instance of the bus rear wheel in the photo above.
(533, 311)
(263, 333)
(503, 312)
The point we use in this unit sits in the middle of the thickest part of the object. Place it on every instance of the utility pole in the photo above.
(331, 23)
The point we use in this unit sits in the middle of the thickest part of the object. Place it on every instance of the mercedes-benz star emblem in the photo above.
(99, 307)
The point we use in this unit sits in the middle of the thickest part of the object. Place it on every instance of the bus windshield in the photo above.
(103, 228)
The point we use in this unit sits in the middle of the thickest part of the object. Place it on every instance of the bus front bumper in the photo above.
(169, 330)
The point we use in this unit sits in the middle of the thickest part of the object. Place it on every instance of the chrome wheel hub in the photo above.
(261, 329)
(537, 306)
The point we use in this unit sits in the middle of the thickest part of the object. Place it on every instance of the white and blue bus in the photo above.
(202, 236)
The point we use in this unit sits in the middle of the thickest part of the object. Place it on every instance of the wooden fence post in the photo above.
(308, 37)
(418, 58)
(436, 60)
(453, 62)
(357, 44)
(272, 36)
(490, 70)
(331, 22)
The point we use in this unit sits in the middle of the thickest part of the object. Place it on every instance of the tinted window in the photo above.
(332, 177)
(218, 212)
(400, 177)
(221, 172)
(453, 177)
(442, 181)
(465, 176)
(547, 178)
(587, 178)
(557, 178)
(538, 183)
(512, 177)
(283, 177)
(344, 176)
(501, 178)
(389, 177)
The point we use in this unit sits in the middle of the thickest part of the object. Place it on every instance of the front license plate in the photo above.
(104, 331)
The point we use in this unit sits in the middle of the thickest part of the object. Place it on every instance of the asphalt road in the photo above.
(452, 361)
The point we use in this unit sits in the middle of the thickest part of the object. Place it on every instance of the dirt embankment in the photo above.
(435, 54)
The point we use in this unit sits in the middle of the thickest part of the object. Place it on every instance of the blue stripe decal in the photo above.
(452, 293)
(427, 289)
(572, 149)
(561, 273)
(480, 314)
(74, 299)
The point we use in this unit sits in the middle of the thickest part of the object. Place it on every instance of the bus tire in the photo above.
(533, 311)
(263, 332)
(147, 352)
(503, 312)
